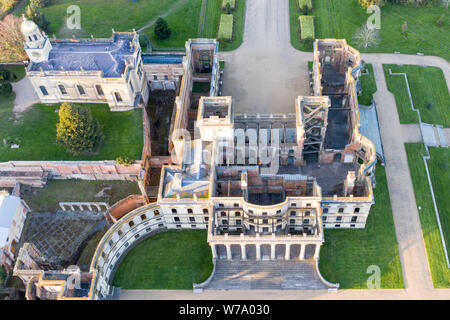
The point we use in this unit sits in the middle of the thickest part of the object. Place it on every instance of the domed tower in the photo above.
(37, 44)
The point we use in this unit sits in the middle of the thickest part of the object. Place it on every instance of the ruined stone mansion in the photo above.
(263, 185)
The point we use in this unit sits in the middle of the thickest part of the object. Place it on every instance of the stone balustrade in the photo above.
(118, 240)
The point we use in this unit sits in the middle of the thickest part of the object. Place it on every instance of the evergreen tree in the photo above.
(162, 30)
(35, 14)
(77, 130)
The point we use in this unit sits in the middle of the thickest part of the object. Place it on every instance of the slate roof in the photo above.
(107, 56)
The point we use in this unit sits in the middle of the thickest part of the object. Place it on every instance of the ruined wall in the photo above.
(19, 171)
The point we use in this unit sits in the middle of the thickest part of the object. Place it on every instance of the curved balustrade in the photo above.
(118, 240)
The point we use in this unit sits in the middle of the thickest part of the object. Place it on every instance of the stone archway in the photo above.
(309, 251)
(236, 252)
(265, 251)
(280, 249)
(251, 251)
(221, 251)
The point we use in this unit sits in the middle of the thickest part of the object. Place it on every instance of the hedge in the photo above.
(302, 3)
(226, 27)
(231, 2)
(306, 27)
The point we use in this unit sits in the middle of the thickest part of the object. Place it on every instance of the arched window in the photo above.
(81, 90)
(118, 97)
(44, 90)
(99, 90)
(35, 37)
(62, 89)
(31, 39)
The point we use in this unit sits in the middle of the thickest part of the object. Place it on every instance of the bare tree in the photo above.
(11, 39)
(366, 38)
(446, 2)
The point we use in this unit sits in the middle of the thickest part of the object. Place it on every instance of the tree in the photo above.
(5, 89)
(11, 39)
(39, 3)
(305, 9)
(7, 5)
(162, 30)
(77, 130)
(228, 8)
(124, 161)
(35, 14)
(366, 37)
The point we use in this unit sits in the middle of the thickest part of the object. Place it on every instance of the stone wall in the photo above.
(20, 171)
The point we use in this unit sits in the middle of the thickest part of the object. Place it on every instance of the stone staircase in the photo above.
(251, 274)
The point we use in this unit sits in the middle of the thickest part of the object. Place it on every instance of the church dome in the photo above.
(28, 26)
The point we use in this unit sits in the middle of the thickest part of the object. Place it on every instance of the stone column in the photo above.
(302, 251)
(214, 251)
(243, 252)
(258, 251)
(317, 251)
(272, 251)
(229, 256)
(287, 254)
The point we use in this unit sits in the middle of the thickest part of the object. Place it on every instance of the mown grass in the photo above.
(17, 73)
(85, 259)
(184, 23)
(168, 260)
(225, 27)
(341, 18)
(306, 27)
(73, 190)
(428, 86)
(213, 13)
(346, 254)
(440, 176)
(307, 3)
(98, 17)
(368, 85)
(231, 2)
(34, 131)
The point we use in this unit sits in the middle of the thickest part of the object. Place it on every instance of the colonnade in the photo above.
(287, 252)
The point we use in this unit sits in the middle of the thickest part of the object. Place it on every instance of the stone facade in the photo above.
(87, 70)
(13, 212)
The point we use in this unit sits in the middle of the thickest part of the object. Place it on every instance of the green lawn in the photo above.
(368, 85)
(341, 18)
(168, 260)
(98, 17)
(213, 12)
(184, 23)
(85, 259)
(123, 15)
(307, 3)
(346, 254)
(17, 73)
(231, 2)
(225, 27)
(46, 199)
(35, 132)
(427, 85)
(306, 27)
(440, 177)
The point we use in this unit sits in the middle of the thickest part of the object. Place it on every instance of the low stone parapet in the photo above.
(36, 173)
